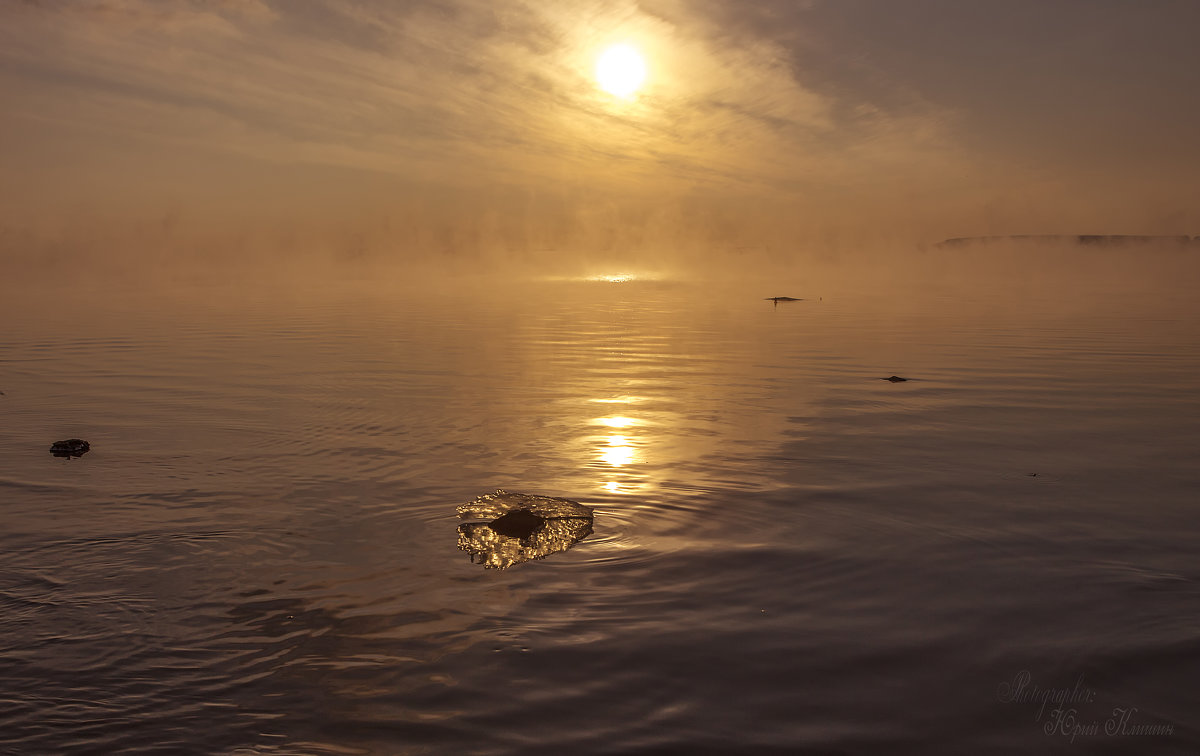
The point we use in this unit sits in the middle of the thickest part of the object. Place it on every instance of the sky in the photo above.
(467, 127)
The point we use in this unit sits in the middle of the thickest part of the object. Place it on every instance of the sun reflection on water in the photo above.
(616, 422)
(619, 277)
(618, 456)
(617, 452)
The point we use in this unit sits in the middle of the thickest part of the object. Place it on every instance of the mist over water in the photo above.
(418, 384)
(260, 553)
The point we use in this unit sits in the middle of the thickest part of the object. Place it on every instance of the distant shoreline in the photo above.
(1090, 239)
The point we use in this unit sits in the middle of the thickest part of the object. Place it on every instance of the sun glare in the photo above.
(615, 422)
(620, 70)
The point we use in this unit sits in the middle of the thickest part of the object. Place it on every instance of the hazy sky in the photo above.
(440, 126)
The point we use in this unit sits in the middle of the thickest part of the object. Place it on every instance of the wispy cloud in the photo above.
(432, 88)
(814, 110)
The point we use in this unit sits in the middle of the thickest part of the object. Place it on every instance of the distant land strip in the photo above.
(1095, 239)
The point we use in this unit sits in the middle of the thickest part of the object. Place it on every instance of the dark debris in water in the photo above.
(894, 379)
(72, 447)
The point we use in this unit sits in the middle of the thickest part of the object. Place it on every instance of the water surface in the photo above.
(789, 555)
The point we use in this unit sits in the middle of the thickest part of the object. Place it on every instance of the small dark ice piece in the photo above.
(72, 447)
(894, 379)
(777, 300)
(519, 523)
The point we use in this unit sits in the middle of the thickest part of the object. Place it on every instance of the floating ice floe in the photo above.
(520, 527)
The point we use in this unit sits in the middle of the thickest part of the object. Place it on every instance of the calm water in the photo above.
(788, 555)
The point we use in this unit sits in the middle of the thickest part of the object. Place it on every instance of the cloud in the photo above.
(430, 87)
(963, 118)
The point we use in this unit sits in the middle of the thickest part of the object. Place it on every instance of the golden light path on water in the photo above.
(618, 454)
(618, 450)
(616, 422)
(617, 277)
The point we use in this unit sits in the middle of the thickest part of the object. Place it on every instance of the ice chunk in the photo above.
(520, 527)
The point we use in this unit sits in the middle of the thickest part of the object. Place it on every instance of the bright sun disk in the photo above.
(620, 70)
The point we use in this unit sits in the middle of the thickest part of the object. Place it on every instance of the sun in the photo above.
(620, 70)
